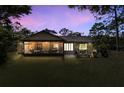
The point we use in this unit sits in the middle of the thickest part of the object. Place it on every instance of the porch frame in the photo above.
(45, 54)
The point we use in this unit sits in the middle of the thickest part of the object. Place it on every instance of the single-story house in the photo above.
(45, 43)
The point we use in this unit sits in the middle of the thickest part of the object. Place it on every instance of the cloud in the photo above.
(32, 21)
(56, 17)
(79, 19)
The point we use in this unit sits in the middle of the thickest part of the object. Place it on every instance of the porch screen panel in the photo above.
(56, 47)
(26, 47)
(29, 47)
(20, 47)
(71, 46)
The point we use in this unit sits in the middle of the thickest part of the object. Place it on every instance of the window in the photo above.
(68, 46)
(82, 46)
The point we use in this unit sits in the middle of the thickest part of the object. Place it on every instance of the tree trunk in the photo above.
(116, 27)
(3, 55)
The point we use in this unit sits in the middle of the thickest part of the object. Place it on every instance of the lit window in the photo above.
(68, 47)
(56, 46)
(82, 46)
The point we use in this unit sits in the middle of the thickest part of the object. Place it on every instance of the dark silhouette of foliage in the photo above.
(21, 34)
(75, 34)
(111, 15)
(5, 41)
(65, 32)
(7, 13)
(50, 31)
(101, 38)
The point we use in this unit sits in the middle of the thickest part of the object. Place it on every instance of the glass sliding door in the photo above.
(68, 47)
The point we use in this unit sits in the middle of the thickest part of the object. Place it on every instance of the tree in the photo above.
(75, 34)
(7, 13)
(10, 12)
(101, 38)
(99, 35)
(97, 29)
(112, 16)
(18, 36)
(22, 33)
(50, 31)
(65, 32)
(5, 42)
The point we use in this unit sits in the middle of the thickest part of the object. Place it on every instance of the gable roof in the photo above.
(46, 36)
(80, 39)
(43, 36)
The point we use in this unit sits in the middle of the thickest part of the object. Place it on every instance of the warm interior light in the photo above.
(29, 47)
(46, 46)
(68, 47)
(83, 46)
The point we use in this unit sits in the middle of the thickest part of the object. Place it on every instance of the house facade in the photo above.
(45, 43)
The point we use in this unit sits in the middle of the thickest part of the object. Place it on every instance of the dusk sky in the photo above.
(57, 17)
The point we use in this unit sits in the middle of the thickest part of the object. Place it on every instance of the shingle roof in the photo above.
(77, 39)
(43, 36)
(46, 36)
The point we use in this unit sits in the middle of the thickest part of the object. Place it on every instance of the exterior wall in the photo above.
(49, 46)
(20, 47)
(90, 47)
(87, 50)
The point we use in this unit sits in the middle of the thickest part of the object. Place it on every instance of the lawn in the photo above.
(54, 71)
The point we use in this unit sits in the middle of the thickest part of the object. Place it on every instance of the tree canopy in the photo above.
(110, 15)
(50, 31)
(67, 32)
(7, 13)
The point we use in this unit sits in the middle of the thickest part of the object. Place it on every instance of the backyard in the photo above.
(23, 71)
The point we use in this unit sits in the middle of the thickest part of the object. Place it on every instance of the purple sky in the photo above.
(57, 17)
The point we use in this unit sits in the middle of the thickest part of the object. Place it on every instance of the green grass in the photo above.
(53, 71)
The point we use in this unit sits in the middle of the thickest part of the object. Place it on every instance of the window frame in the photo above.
(68, 47)
(83, 46)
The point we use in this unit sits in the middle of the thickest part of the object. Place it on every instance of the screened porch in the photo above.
(43, 48)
